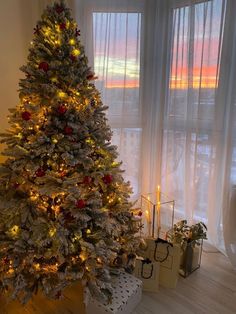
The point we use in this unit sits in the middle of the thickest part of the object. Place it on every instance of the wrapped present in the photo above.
(148, 272)
(127, 293)
(69, 302)
(168, 255)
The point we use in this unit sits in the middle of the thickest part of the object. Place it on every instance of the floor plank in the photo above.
(209, 290)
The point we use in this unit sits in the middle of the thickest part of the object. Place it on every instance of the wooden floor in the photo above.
(209, 290)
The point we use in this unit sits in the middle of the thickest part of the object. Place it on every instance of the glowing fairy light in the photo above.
(14, 230)
(61, 94)
(72, 41)
(75, 52)
(52, 232)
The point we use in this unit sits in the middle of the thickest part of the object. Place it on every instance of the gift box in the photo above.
(168, 255)
(148, 271)
(70, 302)
(127, 293)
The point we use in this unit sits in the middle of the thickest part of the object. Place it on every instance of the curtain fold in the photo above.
(112, 33)
(193, 129)
(228, 78)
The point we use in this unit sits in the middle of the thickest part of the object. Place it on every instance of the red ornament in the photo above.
(73, 58)
(140, 213)
(77, 32)
(80, 204)
(37, 30)
(68, 130)
(61, 109)
(16, 185)
(63, 174)
(62, 26)
(87, 180)
(6, 260)
(40, 173)
(59, 9)
(90, 76)
(107, 179)
(26, 115)
(44, 66)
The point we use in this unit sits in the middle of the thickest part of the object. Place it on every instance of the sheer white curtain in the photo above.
(228, 92)
(160, 69)
(112, 34)
(193, 131)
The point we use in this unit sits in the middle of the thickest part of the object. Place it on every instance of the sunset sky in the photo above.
(117, 49)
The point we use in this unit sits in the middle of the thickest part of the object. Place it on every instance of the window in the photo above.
(117, 65)
(193, 123)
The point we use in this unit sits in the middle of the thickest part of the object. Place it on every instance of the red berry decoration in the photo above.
(87, 180)
(107, 179)
(62, 26)
(59, 9)
(37, 30)
(44, 66)
(90, 76)
(77, 32)
(80, 204)
(26, 115)
(40, 173)
(73, 58)
(61, 109)
(68, 130)
(16, 185)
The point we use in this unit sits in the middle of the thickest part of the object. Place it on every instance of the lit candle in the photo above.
(158, 194)
(148, 215)
(158, 202)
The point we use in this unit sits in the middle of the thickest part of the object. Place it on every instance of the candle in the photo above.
(158, 199)
(148, 216)
(158, 194)
(159, 217)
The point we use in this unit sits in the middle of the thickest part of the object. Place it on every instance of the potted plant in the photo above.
(190, 238)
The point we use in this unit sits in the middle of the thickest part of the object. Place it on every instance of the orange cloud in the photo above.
(205, 77)
(121, 84)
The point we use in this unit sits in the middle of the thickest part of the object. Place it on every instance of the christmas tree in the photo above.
(65, 213)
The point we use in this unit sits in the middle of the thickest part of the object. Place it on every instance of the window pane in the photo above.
(129, 142)
(189, 161)
(195, 59)
(117, 60)
(117, 65)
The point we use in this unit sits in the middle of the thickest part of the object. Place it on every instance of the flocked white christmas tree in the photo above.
(65, 213)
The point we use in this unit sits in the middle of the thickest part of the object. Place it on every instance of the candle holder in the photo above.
(158, 216)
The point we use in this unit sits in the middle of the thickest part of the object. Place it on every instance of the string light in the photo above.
(10, 271)
(88, 231)
(54, 79)
(52, 232)
(72, 41)
(57, 42)
(61, 94)
(37, 266)
(82, 257)
(14, 230)
(99, 260)
(75, 52)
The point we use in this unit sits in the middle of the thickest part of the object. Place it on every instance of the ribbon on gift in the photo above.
(146, 261)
